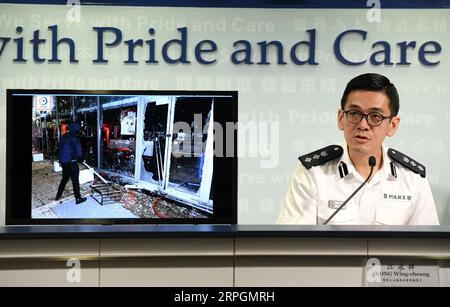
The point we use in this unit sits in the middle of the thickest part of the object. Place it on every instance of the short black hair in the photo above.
(376, 83)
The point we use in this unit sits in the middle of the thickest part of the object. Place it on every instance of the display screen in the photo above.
(121, 157)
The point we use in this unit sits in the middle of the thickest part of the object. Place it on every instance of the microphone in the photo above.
(372, 163)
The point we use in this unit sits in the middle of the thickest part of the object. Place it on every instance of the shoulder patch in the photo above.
(321, 156)
(407, 162)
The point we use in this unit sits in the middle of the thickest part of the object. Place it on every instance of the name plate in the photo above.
(402, 273)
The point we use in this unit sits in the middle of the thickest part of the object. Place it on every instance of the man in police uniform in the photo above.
(397, 193)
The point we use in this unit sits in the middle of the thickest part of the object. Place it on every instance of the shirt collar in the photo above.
(345, 166)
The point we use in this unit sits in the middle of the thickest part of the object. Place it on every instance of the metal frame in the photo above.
(107, 193)
(195, 200)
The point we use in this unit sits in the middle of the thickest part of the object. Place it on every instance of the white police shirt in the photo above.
(395, 195)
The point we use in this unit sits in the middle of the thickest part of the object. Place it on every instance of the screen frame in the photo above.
(16, 150)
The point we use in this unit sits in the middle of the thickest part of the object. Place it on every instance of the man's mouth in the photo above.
(361, 138)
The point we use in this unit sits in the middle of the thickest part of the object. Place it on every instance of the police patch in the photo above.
(321, 156)
(407, 162)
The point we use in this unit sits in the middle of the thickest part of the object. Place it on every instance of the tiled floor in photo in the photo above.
(130, 204)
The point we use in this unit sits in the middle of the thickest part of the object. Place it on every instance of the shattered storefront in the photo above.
(151, 156)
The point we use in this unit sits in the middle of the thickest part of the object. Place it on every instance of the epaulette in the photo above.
(407, 162)
(321, 156)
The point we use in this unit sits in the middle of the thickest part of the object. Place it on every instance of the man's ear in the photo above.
(340, 118)
(393, 126)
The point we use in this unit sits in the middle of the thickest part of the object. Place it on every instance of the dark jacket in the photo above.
(70, 148)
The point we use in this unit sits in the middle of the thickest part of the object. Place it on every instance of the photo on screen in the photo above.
(124, 156)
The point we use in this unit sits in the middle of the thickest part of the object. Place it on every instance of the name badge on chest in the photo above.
(334, 204)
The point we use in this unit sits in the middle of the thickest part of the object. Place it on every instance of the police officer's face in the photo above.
(361, 137)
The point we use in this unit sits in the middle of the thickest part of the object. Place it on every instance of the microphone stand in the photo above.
(372, 163)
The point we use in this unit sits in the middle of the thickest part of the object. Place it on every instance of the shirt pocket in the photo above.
(345, 216)
(393, 213)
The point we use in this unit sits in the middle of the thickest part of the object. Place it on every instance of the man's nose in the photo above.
(363, 124)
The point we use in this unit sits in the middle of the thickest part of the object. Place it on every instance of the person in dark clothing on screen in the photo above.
(70, 153)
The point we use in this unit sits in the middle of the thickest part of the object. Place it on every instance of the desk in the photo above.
(211, 255)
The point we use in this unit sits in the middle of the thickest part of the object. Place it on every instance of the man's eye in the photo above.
(354, 113)
(376, 116)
